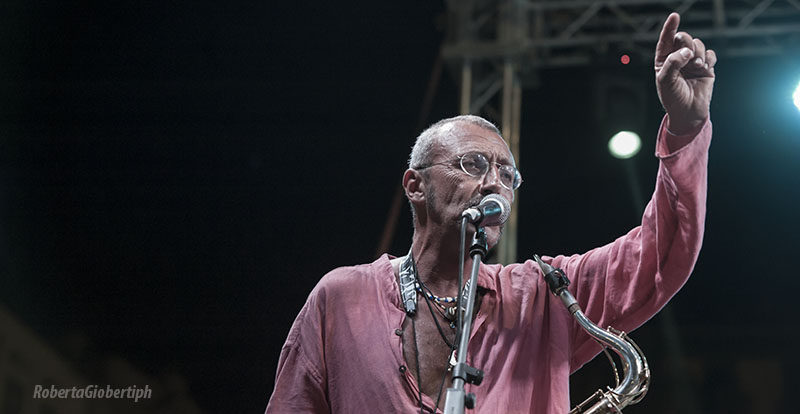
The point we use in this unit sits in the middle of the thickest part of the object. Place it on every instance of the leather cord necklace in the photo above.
(409, 279)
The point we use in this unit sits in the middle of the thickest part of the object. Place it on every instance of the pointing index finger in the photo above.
(666, 39)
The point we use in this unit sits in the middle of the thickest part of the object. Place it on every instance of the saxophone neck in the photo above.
(558, 282)
(636, 379)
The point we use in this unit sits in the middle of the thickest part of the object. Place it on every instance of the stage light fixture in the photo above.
(796, 96)
(624, 144)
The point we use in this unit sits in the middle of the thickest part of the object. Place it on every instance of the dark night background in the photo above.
(176, 177)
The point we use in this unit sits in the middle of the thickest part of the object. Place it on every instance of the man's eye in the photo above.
(470, 165)
(473, 165)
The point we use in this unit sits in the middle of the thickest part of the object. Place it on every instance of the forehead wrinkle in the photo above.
(451, 140)
(493, 154)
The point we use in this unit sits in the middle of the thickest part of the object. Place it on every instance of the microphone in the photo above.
(493, 210)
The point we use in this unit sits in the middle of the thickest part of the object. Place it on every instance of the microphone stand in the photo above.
(457, 399)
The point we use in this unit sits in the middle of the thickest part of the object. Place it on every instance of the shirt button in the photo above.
(398, 332)
(402, 369)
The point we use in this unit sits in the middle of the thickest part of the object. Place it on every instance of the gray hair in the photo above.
(422, 152)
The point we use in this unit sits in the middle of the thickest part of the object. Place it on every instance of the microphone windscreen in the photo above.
(496, 217)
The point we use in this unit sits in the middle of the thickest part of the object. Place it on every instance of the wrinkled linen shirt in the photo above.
(344, 356)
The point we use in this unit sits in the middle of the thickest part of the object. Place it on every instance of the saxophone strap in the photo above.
(408, 277)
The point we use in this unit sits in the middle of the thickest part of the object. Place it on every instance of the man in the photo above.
(354, 349)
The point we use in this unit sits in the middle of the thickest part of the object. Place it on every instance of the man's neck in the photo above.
(436, 259)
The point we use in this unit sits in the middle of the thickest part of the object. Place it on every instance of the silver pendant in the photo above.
(451, 313)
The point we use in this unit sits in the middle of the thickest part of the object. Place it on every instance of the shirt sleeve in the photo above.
(624, 283)
(300, 384)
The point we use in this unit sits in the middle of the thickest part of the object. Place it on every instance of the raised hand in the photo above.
(684, 77)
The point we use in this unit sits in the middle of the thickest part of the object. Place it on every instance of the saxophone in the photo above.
(636, 380)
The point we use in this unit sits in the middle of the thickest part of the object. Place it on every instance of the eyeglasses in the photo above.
(475, 164)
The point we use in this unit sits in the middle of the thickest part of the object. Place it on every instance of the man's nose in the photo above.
(491, 180)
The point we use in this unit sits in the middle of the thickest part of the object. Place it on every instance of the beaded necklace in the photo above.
(447, 312)
(410, 283)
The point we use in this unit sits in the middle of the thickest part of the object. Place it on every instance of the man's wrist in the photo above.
(684, 129)
(671, 142)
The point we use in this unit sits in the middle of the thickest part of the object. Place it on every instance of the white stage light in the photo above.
(624, 144)
(796, 96)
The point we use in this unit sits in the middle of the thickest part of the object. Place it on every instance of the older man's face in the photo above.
(451, 190)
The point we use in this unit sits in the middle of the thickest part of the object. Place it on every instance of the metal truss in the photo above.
(497, 47)
(546, 33)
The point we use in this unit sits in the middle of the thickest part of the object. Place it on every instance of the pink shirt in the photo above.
(343, 354)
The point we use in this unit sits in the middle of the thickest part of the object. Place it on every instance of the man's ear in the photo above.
(414, 186)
